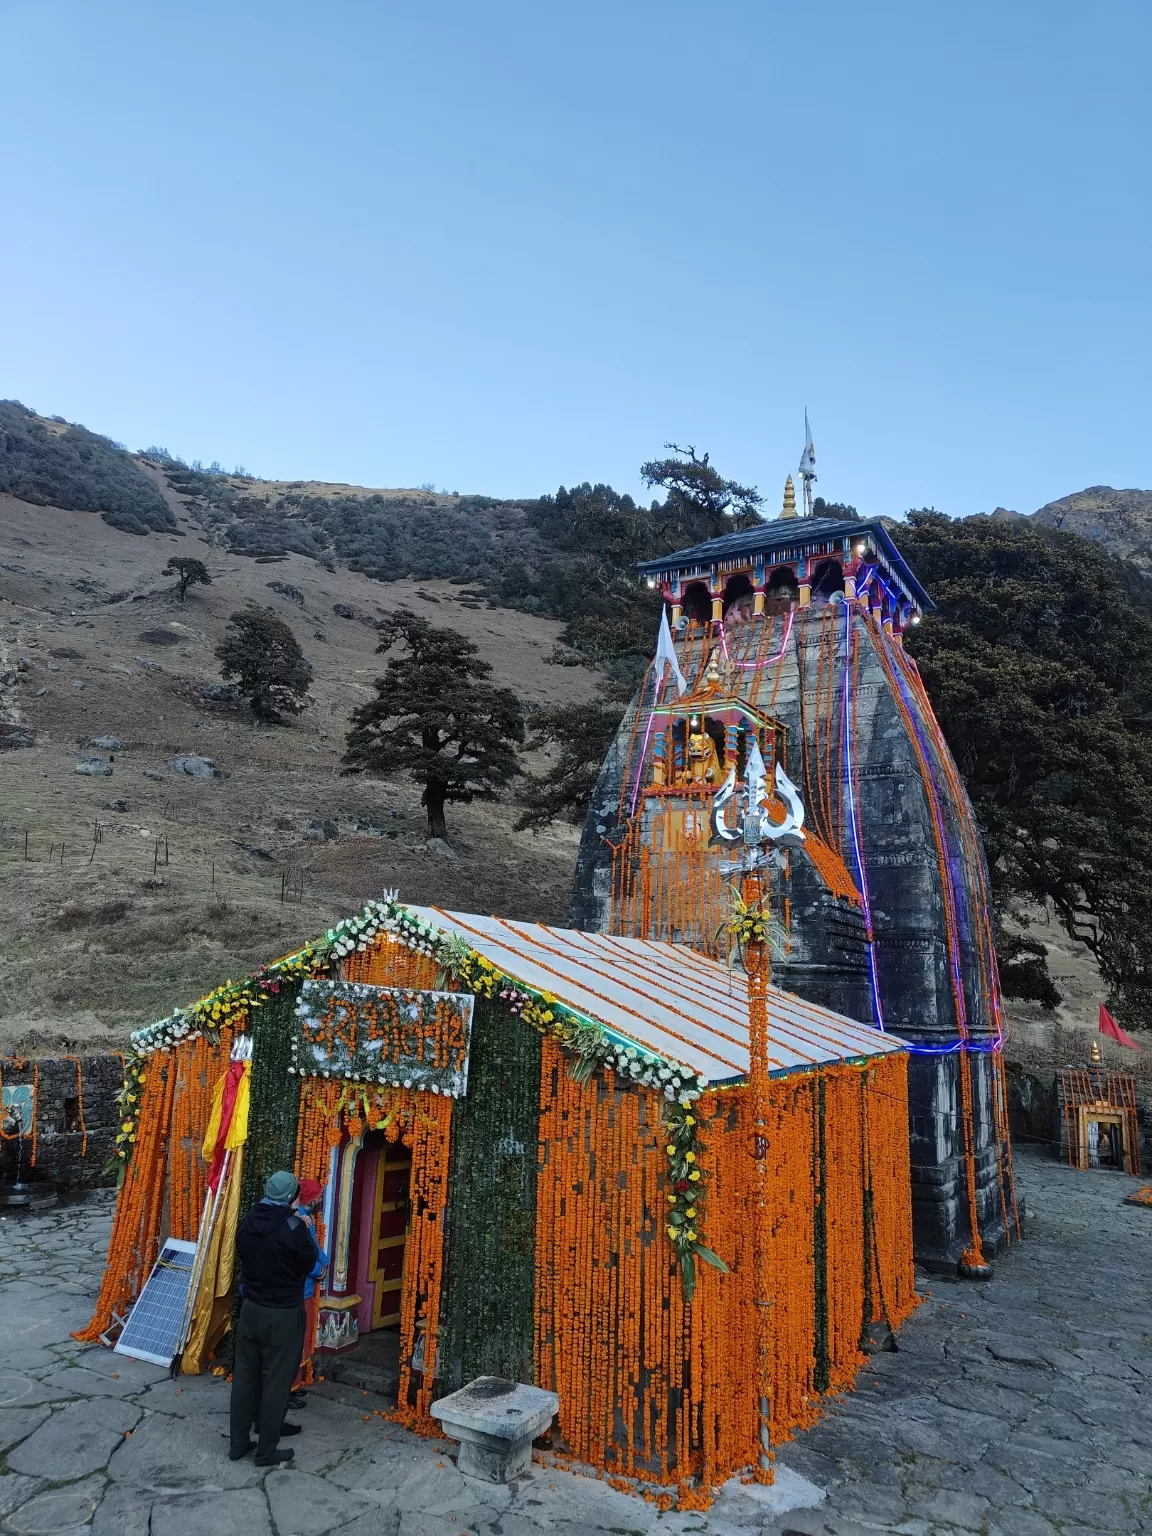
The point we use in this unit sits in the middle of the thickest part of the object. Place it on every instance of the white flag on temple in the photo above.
(808, 459)
(666, 657)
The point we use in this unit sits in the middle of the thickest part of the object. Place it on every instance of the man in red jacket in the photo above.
(276, 1252)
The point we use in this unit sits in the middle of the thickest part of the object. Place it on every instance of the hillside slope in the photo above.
(94, 643)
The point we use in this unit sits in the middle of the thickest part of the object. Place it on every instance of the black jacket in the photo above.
(276, 1253)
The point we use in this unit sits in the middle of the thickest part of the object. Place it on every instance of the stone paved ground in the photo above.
(1018, 1408)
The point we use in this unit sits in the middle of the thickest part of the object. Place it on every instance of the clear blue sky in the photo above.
(503, 246)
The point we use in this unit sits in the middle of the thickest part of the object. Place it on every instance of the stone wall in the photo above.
(69, 1103)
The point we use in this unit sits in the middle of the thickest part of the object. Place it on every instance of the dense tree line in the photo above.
(1039, 665)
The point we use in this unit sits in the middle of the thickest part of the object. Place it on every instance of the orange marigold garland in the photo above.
(136, 1228)
(80, 1103)
(658, 1392)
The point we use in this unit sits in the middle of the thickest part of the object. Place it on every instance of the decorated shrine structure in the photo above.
(541, 1162)
(791, 633)
(1098, 1118)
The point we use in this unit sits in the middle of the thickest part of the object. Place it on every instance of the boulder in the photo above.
(222, 693)
(342, 611)
(12, 736)
(322, 832)
(108, 743)
(94, 767)
(195, 767)
(116, 805)
(152, 773)
(286, 589)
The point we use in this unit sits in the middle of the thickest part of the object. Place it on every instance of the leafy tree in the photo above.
(1039, 665)
(188, 572)
(264, 656)
(583, 734)
(699, 495)
(436, 719)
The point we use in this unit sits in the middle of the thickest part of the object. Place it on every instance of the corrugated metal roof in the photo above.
(663, 997)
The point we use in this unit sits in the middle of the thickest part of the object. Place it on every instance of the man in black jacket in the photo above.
(276, 1253)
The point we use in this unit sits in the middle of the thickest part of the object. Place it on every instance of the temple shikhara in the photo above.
(791, 633)
(670, 1163)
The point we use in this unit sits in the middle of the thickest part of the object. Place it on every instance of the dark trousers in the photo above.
(268, 1345)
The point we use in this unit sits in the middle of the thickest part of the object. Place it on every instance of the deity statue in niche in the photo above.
(703, 758)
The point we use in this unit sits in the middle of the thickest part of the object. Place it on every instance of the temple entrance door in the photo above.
(390, 1235)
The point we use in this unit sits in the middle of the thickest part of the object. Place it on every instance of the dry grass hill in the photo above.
(121, 896)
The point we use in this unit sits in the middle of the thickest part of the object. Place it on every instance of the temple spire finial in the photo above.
(789, 507)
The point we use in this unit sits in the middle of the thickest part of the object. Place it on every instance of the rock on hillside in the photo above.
(1120, 520)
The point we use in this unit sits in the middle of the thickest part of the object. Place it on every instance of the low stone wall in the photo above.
(75, 1113)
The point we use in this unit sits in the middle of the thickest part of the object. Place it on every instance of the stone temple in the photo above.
(791, 633)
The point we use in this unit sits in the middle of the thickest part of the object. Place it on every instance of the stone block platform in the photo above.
(495, 1422)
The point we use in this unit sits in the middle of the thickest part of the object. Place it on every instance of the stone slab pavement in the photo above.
(1019, 1407)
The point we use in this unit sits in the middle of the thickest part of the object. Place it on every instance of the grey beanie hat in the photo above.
(282, 1187)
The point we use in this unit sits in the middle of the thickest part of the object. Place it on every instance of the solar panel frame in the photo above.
(157, 1316)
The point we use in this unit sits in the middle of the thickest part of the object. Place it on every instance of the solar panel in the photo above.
(152, 1331)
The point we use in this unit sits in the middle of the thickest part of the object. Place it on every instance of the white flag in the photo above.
(808, 459)
(666, 657)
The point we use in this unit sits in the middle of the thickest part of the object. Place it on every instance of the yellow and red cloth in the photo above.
(227, 1131)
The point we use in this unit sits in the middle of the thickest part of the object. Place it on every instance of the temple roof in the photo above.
(665, 998)
(797, 534)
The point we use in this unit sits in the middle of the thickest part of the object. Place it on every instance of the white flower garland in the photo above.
(676, 1082)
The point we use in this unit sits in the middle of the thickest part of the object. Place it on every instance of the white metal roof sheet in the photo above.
(664, 997)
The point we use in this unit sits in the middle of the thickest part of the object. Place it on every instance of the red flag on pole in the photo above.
(1109, 1027)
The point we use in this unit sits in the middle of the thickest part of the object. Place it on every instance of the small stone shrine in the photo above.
(1098, 1123)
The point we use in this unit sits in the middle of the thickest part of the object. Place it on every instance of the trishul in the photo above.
(756, 828)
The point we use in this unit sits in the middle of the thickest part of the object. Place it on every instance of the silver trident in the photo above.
(756, 827)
